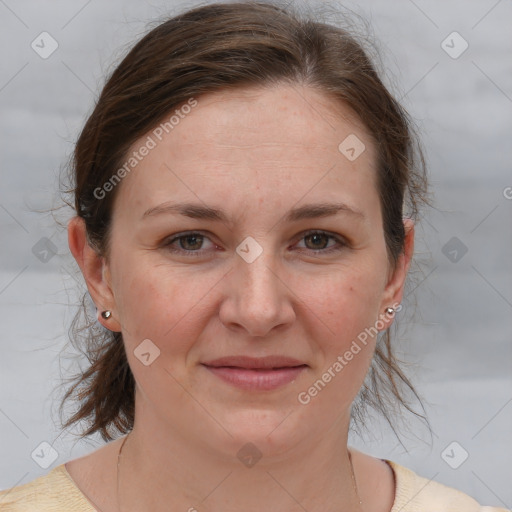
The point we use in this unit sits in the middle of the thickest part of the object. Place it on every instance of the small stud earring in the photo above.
(390, 311)
(106, 314)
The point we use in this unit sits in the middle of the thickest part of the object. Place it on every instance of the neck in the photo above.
(158, 467)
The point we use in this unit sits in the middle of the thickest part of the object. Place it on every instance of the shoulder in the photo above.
(53, 492)
(414, 493)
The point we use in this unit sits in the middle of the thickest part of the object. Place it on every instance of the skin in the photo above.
(256, 153)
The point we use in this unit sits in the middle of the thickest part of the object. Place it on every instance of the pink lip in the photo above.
(250, 373)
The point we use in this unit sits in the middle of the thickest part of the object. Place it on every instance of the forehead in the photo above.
(276, 140)
(283, 114)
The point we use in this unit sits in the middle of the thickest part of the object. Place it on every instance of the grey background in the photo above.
(455, 333)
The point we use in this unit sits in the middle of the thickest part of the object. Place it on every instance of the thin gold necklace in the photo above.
(124, 441)
(354, 479)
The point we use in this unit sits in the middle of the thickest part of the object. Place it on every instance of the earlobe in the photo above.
(94, 269)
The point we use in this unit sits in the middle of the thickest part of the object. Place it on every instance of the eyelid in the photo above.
(338, 238)
(166, 243)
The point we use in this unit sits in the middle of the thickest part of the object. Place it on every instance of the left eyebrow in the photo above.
(313, 211)
(198, 211)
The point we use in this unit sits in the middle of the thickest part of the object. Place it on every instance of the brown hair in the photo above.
(213, 48)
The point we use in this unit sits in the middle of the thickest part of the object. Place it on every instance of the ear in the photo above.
(394, 290)
(95, 271)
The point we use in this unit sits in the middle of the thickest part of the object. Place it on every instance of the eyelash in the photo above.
(168, 243)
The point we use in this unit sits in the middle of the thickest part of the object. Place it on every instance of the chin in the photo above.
(272, 432)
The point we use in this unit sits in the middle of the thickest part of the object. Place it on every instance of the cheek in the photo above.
(345, 301)
(346, 309)
(159, 303)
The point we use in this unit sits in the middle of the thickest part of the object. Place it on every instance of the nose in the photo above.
(257, 299)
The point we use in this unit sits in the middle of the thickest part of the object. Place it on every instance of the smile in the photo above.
(257, 379)
(256, 374)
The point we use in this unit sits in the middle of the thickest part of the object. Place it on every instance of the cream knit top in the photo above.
(57, 492)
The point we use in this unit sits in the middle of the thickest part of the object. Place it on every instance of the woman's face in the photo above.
(248, 176)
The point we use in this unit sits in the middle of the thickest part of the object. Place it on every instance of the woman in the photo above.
(225, 147)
